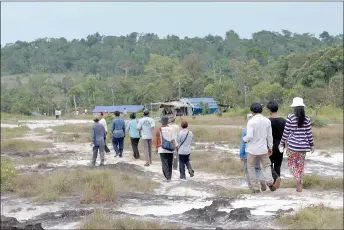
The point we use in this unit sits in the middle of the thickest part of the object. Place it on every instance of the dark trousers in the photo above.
(118, 145)
(184, 160)
(276, 162)
(166, 162)
(135, 146)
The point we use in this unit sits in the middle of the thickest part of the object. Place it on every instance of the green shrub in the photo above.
(8, 174)
(316, 122)
(109, 118)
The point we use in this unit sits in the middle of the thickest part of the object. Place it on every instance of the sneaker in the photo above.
(182, 178)
(146, 164)
(192, 173)
(101, 165)
(255, 191)
(263, 186)
(116, 155)
(277, 183)
(120, 155)
(272, 188)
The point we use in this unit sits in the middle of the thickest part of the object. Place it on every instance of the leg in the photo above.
(296, 163)
(150, 143)
(273, 163)
(115, 144)
(102, 154)
(164, 164)
(134, 145)
(146, 150)
(120, 144)
(247, 175)
(251, 165)
(137, 147)
(260, 175)
(95, 154)
(170, 162)
(266, 166)
(182, 159)
(188, 165)
(278, 158)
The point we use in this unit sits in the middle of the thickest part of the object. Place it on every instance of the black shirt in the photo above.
(277, 125)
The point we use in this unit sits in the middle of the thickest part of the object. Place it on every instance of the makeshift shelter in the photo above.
(198, 105)
(120, 108)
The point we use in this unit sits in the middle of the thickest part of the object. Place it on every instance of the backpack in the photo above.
(165, 144)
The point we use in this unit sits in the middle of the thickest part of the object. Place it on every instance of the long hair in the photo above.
(299, 112)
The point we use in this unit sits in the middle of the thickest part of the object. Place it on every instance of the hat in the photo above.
(95, 116)
(249, 116)
(164, 120)
(145, 112)
(297, 101)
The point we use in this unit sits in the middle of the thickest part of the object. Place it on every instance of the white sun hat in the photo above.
(297, 101)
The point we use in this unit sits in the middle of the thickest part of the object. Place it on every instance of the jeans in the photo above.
(265, 162)
(97, 148)
(118, 145)
(259, 173)
(276, 162)
(166, 162)
(184, 160)
(135, 147)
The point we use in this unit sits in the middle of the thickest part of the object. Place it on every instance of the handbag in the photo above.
(165, 144)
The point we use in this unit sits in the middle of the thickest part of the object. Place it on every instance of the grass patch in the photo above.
(233, 192)
(328, 137)
(93, 185)
(216, 163)
(15, 145)
(8, 174)
(317, 183)
(100, 220)
(229, 135)
(8, 133)
(314, 217)
(214, 119)
(39, 160)
(72, 133)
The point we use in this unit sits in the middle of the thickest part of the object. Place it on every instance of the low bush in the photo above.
(18, 145)
(8, 174)
(317, 183)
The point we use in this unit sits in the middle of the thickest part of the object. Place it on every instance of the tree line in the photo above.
(143, 68)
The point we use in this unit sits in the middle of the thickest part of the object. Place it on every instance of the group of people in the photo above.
(269, 138)
(263, 143)
(172, 143)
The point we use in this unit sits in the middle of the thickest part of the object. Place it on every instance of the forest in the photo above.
(51, 73)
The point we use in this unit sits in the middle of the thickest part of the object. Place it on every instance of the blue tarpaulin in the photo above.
(198, 107)
(120, 108)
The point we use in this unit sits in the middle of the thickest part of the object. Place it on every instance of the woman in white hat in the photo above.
(298, 140)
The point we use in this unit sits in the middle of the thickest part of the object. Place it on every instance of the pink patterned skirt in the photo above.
(296, 163)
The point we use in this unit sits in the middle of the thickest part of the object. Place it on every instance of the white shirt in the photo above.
(103, 122)
(185, 136)
(146, 125)
(259, 135)
(169, 135)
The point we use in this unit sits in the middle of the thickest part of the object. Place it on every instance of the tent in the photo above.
(120, 108)
(199, 103)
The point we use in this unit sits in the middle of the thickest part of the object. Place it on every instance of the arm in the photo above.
(123, 127)
(92, 135)
(269, 138)
(113, 126)
(249, 131)
(157, 141)
(286, 132)
(139, 126)
(242, 145)
(309, 133)
(127, 127)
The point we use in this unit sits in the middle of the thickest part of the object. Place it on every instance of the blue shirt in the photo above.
(118, 128)
(243, 153)
(132, 129)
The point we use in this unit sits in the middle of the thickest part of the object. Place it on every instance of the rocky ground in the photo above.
(187, 203)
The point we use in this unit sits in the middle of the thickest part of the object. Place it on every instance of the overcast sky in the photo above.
(29, 21)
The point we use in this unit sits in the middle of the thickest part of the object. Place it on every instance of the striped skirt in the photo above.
(296, 163)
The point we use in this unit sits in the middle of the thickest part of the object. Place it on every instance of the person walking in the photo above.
(184, 140)
(134, 135)
(146, 127)
(298, 140)
(103, 122)
(98, 136)
(118, 134)
(165, 144)
(277, 125)
(259, 147)
(243, 159)
(176, 130)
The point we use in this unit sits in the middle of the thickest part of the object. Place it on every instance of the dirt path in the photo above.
(190, 203)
